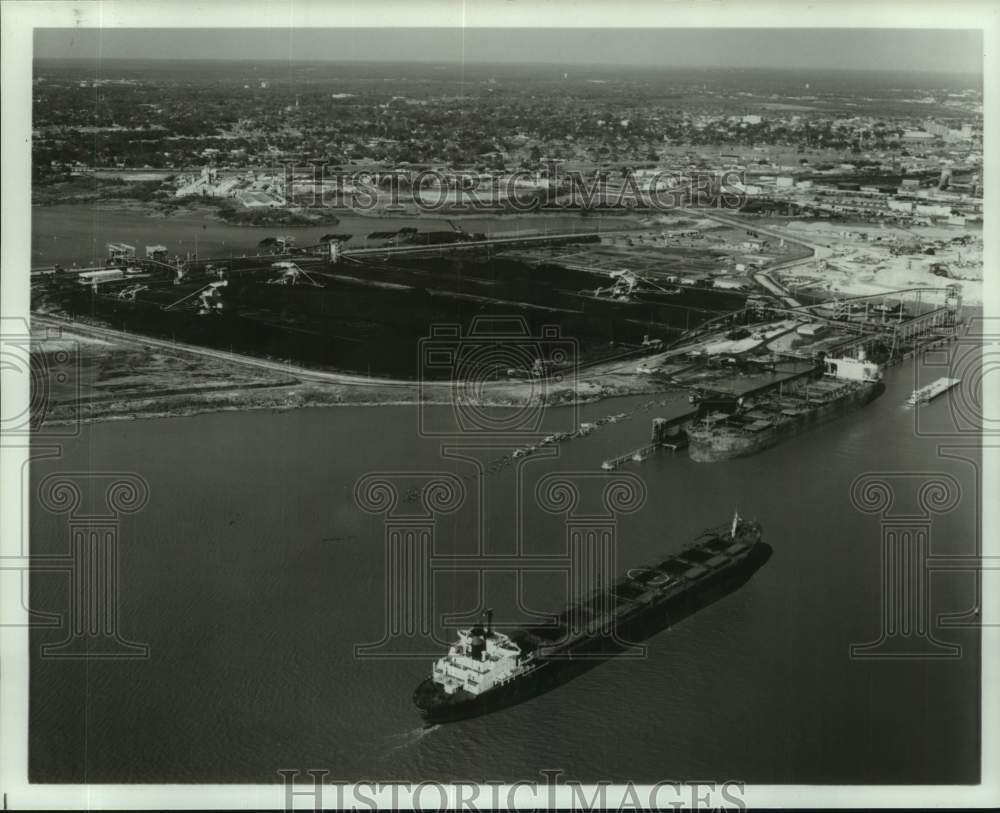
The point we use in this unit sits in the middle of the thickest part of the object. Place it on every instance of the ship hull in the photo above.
(711, 448)
(437, 707)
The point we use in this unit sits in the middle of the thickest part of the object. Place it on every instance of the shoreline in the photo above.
(208, 409)
(325, 216)
(259, 384)
(129, 411)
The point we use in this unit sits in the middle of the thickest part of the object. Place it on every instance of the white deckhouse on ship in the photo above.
(481, 659)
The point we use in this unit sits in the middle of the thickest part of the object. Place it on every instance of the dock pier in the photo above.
(667, 433)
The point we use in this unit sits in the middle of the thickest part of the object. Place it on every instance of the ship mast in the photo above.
(736, 522)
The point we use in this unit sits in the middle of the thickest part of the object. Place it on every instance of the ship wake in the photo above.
(407, 739)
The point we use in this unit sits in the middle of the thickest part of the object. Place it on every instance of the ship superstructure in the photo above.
(482, 659)
(852, 368)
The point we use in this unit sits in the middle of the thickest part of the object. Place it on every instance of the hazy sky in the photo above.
(862, 49)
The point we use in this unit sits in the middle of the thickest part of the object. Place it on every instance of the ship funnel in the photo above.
(489, 621)
(736, 522)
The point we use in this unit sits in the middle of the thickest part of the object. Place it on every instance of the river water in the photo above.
(252, 574)
(73, 233)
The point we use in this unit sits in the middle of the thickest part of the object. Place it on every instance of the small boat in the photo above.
(932, 391)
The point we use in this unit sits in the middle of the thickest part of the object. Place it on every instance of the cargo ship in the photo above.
(486, 670)
(737, 427)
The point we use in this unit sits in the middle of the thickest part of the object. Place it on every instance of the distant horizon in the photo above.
(527, 64)
(929, 51)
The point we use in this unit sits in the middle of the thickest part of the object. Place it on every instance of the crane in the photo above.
(625, 284)
(208, 297)
(128, 293)
(291, 274)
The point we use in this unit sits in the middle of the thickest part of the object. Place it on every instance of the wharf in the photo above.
(666, 434)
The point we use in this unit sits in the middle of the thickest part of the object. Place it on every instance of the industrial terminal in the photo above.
(431, 404)
(707, 308)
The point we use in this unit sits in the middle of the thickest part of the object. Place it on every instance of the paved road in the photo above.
(300, 373)
(819, 251)
(766, 282)
(763, 279)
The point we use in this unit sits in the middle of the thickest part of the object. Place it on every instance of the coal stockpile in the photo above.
(370, 317)
(394, 306)
(265, 333)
